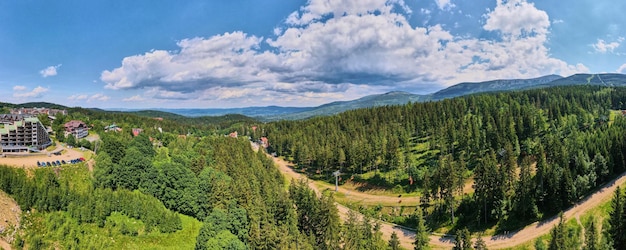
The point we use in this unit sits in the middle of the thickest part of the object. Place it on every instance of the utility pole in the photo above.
(336, 174)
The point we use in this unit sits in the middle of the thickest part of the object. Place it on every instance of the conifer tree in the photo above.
(421, 233)
(463, 240)
(480, 243)
(557, 241)
(616, 220)
(394, 242)
(591, 236)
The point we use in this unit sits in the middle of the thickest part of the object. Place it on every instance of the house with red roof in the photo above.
(137, 131)
(77, 128)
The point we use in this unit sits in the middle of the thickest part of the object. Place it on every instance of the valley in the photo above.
(499, 241)
(313, 125)
(499, 167)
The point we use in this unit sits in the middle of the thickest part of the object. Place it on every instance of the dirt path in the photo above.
(9, 216)
(511, 239)
(5, 245)
(354, 195)
(406, 236)
(537, 229)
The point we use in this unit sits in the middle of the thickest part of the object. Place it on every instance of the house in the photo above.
(21, 133)
(112, 127)
(233, 134)
(137, 131)
(264, 142)
(76, 128)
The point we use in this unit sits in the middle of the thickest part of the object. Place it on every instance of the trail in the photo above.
(355, 195)
(9, 218)
(406, 236)
(509, 240)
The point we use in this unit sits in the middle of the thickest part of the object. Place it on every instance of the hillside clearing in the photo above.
(501, 241)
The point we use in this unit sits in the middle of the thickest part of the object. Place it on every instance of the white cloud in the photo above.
(278, 31)
(19, 88)
(517, 18)
(49, 71)
(622, 69)
(558, 21)
(330, 48)
(135, 98)
(221, 59)
(603, 47)
(98, 97)
(35, 93)
(315, 10)
(77, 97)
(445, 4)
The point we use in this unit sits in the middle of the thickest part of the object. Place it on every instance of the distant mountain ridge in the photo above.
(273, 113)
(461, 89)
(390, 98)
(468, 88)
(611, 80)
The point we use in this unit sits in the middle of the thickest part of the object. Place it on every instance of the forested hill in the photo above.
(274, 113)
(212, 192)
(530, 153)
(467, 88)
(461, 89)
(391, 98)
(610, 80)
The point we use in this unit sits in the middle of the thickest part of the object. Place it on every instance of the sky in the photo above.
(241, 53)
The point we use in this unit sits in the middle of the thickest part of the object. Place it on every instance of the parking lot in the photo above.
(30, 160)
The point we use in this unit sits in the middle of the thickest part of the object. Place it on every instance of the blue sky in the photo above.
(215, 54)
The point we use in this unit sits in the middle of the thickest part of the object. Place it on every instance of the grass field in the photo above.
(59, 230)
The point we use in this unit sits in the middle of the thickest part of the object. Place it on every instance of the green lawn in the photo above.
(59, 230)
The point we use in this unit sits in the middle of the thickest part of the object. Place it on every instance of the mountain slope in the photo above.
(248, 111)
(273, 113)
(400, 98)
(468, 88)
(613, 80)
(391, 98)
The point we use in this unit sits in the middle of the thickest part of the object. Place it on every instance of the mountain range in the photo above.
(273, 113)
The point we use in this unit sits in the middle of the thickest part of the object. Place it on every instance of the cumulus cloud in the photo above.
(49, 71)
(316, 10)
(98, 97)
(330, 48)
(135, 98)
(622, 69)
(35, 93)
(77, 97)
(223, 59)
(19, 88)
(445, 4)
(603, 47)
(517, 18)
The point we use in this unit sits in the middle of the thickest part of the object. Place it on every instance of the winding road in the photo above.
(511, 239)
